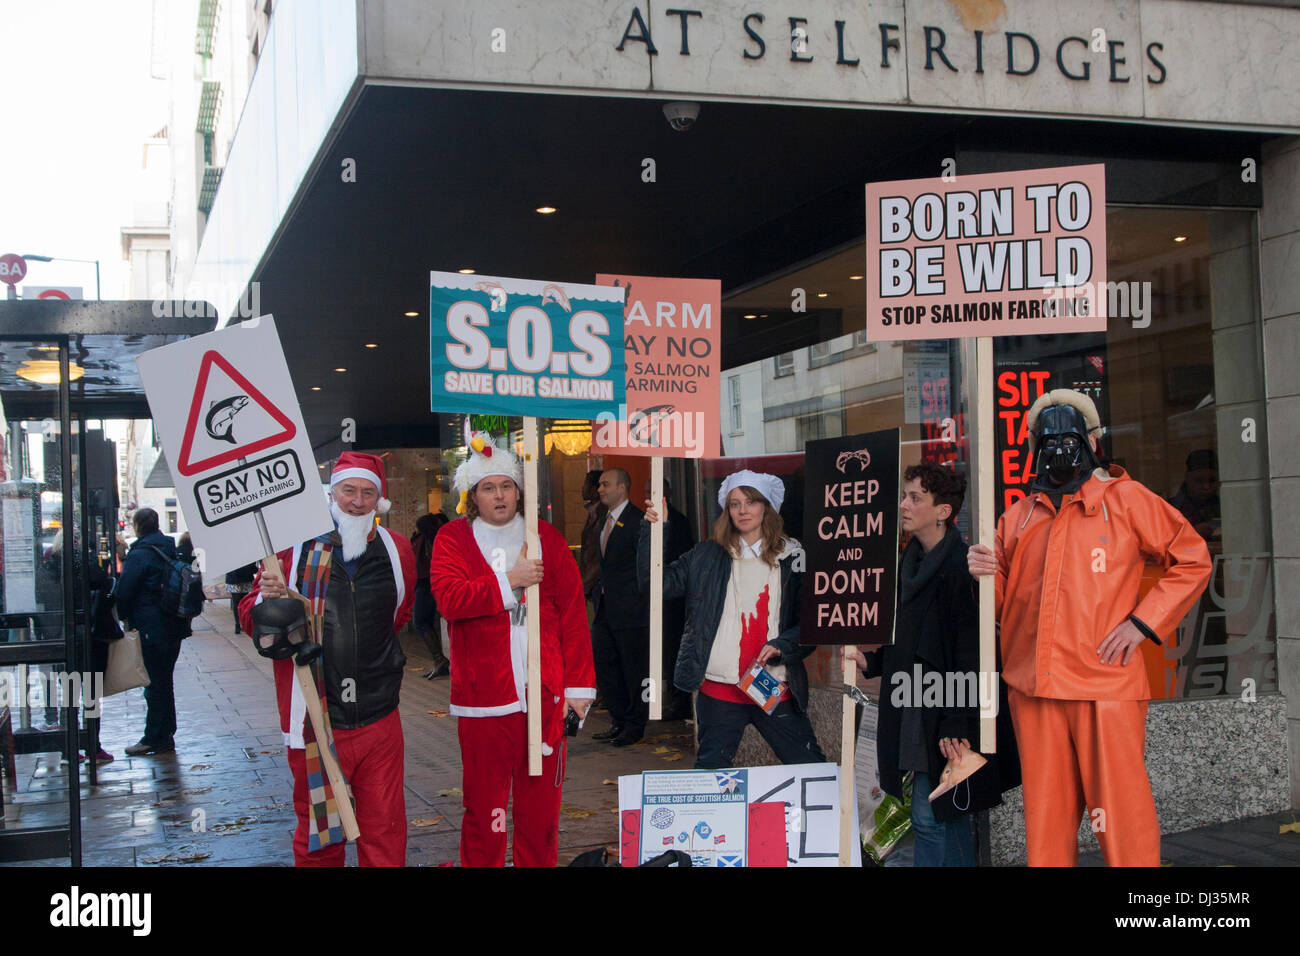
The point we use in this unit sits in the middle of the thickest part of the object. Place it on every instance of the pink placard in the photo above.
(1015, 253)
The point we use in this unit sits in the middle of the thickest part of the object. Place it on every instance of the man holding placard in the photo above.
(363, 579)
(1068, 568)
(480, 574)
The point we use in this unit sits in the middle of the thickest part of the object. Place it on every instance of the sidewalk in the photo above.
(225, 796)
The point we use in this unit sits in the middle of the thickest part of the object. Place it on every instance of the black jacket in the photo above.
(701, 576)
(358, 636)
(139, 590)
(617, 593)
(938, 629)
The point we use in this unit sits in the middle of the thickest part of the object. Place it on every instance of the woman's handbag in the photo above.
(125, 665)
(103, 617)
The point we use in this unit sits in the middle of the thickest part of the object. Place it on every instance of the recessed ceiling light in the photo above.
(822, 295)
(466, 272)
(340, 369)
(411, 314)
(752, 315)
(762, 315)
(546, 210)
(315, 388)
(1180, 238)
(372, 345)
(855, 278)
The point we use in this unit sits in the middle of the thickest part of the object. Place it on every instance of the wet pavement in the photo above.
(225, 796)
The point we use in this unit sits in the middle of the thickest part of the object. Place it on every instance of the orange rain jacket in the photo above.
(1066, 580)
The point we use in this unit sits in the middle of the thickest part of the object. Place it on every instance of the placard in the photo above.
(701, 812)
(500, 346)
(851, 542)
(1012, 253)
(672, 339)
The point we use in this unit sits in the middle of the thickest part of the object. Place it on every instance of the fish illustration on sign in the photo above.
(553, 293)
(496, 291)
(221, 418)
(643, 424)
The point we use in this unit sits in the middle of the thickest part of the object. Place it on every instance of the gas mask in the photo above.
(280, 631)
(1063, 447)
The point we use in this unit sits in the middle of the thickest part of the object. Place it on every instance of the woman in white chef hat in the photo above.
(740, 647)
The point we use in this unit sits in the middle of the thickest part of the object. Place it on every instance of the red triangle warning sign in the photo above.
(229, 419)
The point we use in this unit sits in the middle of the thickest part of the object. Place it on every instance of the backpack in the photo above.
(182, 587)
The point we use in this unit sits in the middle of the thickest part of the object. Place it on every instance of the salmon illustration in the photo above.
(553, 293)
(497, 291)
(644, 422)
(221, 418)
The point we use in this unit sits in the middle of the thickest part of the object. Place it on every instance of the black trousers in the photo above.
(622, 659)
(721, 723)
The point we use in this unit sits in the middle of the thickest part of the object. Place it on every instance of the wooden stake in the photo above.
(533, 600)
(848, 781)
(657, 590)
(985, 535)
(347, 817)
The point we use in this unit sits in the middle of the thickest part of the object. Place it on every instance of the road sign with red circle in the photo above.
(12, 268)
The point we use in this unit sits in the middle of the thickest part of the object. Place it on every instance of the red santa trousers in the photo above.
(1077, 752)
(371, 759)
(494, 756)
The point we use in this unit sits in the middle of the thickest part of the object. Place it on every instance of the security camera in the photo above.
(681, 116)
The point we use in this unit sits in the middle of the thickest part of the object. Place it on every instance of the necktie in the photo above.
(604, 535)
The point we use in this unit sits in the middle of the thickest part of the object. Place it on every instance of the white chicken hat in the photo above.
(486, 458)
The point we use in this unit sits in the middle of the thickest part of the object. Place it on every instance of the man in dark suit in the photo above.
(620, 632)
(677, 541)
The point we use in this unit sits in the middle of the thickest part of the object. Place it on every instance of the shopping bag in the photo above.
(125, 665)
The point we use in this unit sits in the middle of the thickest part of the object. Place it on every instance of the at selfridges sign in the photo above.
(1226, 65)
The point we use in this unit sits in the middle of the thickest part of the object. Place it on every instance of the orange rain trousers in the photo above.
(1077, 753)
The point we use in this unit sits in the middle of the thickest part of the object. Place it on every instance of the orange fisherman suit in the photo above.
(1065, 580)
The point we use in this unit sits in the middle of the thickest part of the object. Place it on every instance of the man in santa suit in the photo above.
(479, 575)
(368, 597)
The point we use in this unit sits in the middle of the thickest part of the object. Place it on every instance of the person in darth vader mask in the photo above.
(1068, 562)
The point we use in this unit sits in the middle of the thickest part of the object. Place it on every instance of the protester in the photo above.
(742, 606)
(139, 602)
(936, 642)
(427, 620)
(1068, 566)
(368, 578)
(620, 631)
(677, 541)
(480, 574)
(238, 583)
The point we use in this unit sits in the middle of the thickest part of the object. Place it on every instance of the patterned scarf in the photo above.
(323, 826)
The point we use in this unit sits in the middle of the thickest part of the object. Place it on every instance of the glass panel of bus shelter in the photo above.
(31, 524)
(1178, 381)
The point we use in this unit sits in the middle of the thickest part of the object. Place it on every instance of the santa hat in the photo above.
(485, 459)
(769, 486)
(355, 464)
(1063, 396)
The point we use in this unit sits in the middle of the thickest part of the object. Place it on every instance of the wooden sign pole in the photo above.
(657, 590)
(848, 778)
(533, 600)
(985, 535)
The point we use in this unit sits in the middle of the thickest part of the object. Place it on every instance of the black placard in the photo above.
(850, 539)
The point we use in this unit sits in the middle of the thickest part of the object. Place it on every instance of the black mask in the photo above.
(1063, 448)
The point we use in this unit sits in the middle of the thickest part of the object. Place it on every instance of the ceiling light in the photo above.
(46, 371)
(546, 210)
(752, 315)
(315, 388)
(855, 278)
(372, 345)
(340, 369)
(1180, 238)
(466, 272)
(46, 348)
(822, 295)
(411, 314)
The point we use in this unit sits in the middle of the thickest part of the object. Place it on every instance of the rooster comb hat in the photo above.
(485, 459)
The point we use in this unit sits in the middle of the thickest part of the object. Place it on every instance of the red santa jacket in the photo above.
(486, 666)
(288, 694)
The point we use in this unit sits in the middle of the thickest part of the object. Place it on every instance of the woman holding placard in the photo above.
(740, 648)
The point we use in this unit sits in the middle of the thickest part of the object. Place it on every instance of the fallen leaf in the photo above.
(663, 750)
(671, 757)
(176, 857)
(201, 766)
(426, 821)
(437, 713)
(268, 751)
(577, 814)
(609, 783)
(167, 802)
(1289, 828)
(417, 668)
(449, 792)
(195, 793)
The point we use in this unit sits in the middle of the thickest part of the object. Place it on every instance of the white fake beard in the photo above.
(353, 529)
